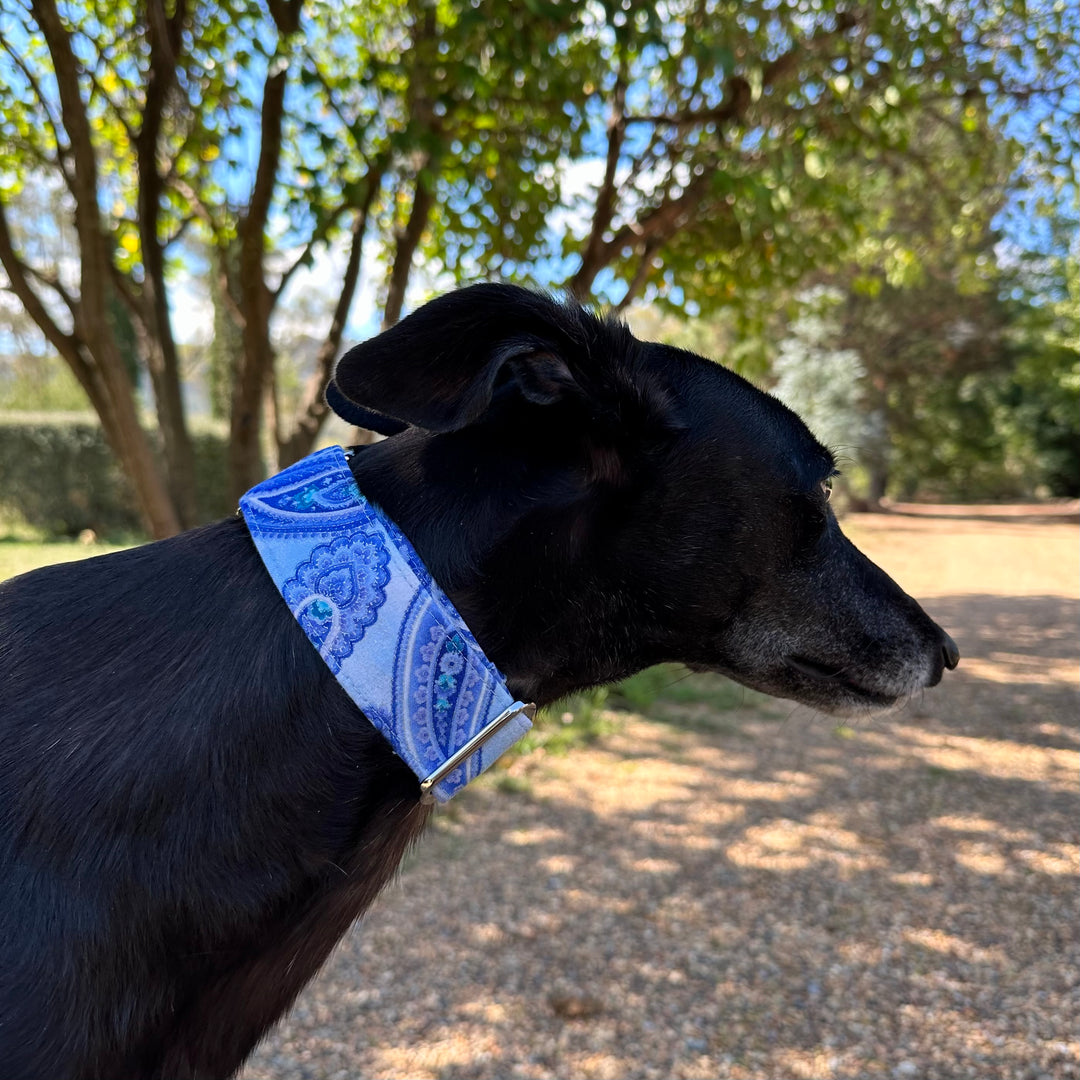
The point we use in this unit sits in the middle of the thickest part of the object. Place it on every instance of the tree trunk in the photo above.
(227, 345)
(130, 444)
(876, 448)
(115, 408)
(246, 466)
(408, 240)
(255, 300)
(878, 485)
(121, 420)
(93, 326)
(165, 38)
(99, 365)
(314, 411)
(159, 350)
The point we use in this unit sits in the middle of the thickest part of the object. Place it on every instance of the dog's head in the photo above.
(595, 504)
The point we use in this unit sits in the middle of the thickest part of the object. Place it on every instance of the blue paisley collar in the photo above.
(389, 634)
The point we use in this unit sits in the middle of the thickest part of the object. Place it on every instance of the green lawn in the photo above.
(18, 556)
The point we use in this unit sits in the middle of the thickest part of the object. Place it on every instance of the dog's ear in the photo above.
(439, 367)
(358, 416)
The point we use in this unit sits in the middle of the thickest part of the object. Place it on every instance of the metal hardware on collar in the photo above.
(474, 744)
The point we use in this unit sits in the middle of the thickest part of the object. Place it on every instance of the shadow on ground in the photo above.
(772, 894)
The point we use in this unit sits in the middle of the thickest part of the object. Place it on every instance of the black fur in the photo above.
(192, 812)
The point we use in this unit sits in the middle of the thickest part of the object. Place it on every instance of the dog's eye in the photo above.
(826, 488)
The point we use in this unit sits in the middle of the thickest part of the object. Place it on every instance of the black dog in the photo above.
(192, 812)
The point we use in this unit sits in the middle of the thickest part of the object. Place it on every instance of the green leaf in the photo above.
(815, 165)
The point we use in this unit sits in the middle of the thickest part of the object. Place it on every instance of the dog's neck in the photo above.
(524, 605)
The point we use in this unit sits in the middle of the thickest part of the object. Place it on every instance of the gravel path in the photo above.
(757, 892)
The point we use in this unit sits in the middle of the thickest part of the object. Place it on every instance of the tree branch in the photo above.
(168, 174)
(18, 274)
(37, 155)
(178, 232)
(408, 239)
(199, 209)
(62, 146)
(738, 96)
(77, 125)
(253, 224)
(225, 289)
(96, 84)
(163, 37)
(125, 289)
(641, 275)
(166, 31)
(286, 14)
(656, 226)
(317, 236)
(315, 409)
(54, 283)
(729, 108)
(331, 100)
(660, 223)
(605, 196)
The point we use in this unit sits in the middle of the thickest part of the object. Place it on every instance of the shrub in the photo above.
(58, 475)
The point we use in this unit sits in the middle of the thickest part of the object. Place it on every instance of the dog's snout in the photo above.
(942, 654)
(950, 653)
(950, 657)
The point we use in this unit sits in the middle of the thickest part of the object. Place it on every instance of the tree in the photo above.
(969, 362)
(727, 144)
(735, 137)
(1036, 407)
(164, 103)
(54, 131)
(823, 382)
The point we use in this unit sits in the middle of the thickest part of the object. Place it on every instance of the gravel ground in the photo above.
(757, 892)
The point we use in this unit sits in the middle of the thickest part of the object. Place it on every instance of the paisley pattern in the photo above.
(337, 593)
(389, 634)
(442, 695)
(302, 498)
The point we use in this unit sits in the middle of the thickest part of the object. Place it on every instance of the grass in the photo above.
(669, 693)
(575, 721)
(674, 684)
(18, 555)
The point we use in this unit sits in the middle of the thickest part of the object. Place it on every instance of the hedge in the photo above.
(58, 474)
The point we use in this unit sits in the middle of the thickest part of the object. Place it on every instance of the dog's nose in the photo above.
(949, 651)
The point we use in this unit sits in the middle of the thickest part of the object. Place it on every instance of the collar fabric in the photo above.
(389, 634)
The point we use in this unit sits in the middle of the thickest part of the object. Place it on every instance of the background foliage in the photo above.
(710, 166)
(60, 478)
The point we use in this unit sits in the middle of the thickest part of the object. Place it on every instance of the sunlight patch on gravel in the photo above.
(999, 758)
(432, 1061)
(987, 826)
(950, 945)
(1062, 860)
(1009, 668)
(793, 845)
(539, 835)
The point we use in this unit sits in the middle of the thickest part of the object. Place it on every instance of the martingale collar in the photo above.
(389, 634)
